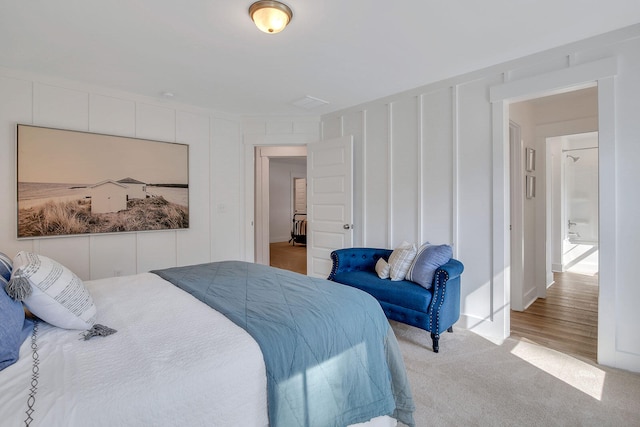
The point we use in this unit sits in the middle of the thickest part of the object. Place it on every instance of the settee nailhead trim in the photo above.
(436, 292)
(334, 269)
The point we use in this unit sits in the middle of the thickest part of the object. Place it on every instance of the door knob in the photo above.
(347, 226)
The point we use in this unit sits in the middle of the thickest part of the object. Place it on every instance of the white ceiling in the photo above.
(208, 52)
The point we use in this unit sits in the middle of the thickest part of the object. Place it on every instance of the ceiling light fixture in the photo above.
(270, 16)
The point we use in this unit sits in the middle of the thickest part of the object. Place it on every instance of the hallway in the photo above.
(567, 320)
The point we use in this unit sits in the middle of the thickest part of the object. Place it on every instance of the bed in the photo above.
(187, 351)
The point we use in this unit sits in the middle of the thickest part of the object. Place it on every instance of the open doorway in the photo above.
(329, 199)
(555, 299)
(587, 75)
(288, 213)
(276, 167)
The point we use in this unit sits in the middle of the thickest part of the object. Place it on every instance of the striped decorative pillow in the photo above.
(400, 260)
(5, 269)
(51, 291)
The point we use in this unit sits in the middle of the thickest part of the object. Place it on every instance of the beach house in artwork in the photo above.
(112, 196)
(108, 196)
(136, 189)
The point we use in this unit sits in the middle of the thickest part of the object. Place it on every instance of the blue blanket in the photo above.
(331, 357)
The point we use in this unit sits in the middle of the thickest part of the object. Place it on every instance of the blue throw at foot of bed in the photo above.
(331, 357)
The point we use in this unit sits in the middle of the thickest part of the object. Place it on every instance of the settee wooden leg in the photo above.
(450, 329)
(435, 338)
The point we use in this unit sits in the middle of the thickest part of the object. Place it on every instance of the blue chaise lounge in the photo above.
(435, 309)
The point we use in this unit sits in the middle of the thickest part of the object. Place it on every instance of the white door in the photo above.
(329, 201)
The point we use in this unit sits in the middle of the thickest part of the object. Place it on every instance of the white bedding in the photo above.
(173, 362)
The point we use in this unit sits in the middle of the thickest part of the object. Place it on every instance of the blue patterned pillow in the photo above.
(5, 269)
(428, 259)
(14, 329)
(11, 323)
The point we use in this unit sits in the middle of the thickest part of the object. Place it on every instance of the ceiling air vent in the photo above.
(309, 102)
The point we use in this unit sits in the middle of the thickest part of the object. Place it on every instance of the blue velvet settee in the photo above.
(434, 310)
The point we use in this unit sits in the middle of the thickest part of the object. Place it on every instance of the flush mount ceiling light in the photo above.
(270, 16)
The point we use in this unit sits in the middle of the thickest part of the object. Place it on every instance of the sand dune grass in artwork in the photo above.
(75, 217)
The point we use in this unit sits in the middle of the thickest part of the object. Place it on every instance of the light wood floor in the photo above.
(567, 320)
(288, 257)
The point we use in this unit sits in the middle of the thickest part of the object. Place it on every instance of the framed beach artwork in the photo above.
(72, 182)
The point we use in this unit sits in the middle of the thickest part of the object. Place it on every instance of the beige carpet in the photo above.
(473, 382)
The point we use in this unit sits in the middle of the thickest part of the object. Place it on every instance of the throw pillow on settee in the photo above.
(427, 260)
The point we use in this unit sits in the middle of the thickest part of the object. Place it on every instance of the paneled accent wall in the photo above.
(216, 174)
(431, 165)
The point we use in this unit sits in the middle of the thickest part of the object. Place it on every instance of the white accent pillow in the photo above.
(382, 268)
(400, 260)
(58, 296)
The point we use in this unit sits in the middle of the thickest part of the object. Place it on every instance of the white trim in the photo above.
(249, 202)
(501, 240)
(363, 216)
(608, 353)
(278, 140)
(564, 80)
(557, 82)
(390, 175)
(455, 136)
(516, 216)
(420, 160)
(256, 245)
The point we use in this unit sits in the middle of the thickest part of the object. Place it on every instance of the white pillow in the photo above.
(400, 260)
(382, 268)
(57, 295)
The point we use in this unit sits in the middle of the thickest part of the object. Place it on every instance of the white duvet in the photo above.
(173, 362)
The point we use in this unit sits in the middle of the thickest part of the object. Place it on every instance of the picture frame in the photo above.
(530, 186)
(530, 163)
(73, 182)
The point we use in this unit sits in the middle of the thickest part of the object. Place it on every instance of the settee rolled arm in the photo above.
(356, 259)
(445, 305)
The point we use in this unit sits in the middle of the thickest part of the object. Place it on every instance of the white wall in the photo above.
(216, 175)
(430, 169)
(281, 174)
